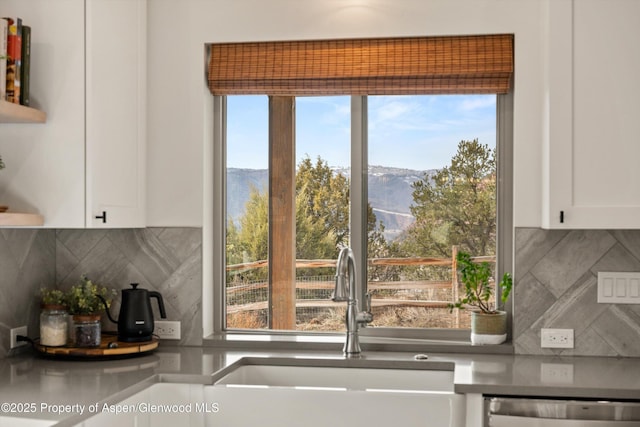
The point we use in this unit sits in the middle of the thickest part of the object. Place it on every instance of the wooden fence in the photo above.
(402, 285)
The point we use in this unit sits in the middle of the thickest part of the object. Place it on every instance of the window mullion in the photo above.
(219, 208)
(504, 190)
(358, 196)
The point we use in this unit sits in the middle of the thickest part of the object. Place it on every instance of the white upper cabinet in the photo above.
(116, 112)
(592, 146)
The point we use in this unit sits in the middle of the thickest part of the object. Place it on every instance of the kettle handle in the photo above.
(106, 308)
(158, 297)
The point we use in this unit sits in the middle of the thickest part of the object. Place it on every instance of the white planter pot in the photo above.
(488, 328)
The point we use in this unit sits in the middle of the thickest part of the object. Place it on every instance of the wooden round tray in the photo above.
(109, 347)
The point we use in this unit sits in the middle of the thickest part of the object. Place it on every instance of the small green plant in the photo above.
(84, 298)
(52, 297)
(475, 276)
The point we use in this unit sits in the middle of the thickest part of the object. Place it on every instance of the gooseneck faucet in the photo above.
(349, 291)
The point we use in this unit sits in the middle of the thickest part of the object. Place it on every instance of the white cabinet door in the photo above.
(115, 113)
(126, 413)
(592, 149)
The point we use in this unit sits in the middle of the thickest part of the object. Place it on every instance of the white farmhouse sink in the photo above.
(338, 392)
(341, 378)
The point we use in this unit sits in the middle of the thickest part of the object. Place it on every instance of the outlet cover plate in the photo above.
(20, 330)
(556, 338)
(167, 329)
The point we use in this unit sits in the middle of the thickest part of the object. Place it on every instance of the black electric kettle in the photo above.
(135, 321)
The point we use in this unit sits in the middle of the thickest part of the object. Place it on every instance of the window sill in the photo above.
(334, 342)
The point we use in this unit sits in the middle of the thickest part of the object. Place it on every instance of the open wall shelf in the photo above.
(14, 113)
(12, 219)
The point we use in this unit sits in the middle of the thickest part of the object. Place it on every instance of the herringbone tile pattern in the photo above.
(556, 287)
(167, 260)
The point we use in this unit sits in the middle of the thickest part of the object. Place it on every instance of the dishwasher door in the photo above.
(524, 412)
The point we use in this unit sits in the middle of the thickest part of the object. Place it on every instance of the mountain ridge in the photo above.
(390, 193)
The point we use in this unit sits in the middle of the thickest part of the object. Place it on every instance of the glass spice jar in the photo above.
(53, 325)
(86, 330)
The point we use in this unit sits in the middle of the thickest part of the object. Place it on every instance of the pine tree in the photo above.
(456, 206)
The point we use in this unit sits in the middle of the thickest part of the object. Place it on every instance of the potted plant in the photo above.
(53, 297)
(85, 305)
(488, 323)
(53, 318)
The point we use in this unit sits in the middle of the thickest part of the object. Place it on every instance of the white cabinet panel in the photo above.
(160, 405)
(121, 414)
(116, 118)
(593, 143)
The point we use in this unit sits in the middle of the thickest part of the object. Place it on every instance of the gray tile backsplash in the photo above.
(168, 260)
(555, 286)
(27, 263)
(555, 279)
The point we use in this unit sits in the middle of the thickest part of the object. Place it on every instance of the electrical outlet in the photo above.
(167, 329)
(556, 373)
(556, 338)
(20, 330)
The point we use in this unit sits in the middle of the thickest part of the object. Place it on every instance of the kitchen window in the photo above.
(248, 297)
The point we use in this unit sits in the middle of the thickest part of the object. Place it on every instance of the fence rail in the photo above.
(321, 303)
(323, 263)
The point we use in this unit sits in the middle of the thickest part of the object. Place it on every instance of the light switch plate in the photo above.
(619, 287)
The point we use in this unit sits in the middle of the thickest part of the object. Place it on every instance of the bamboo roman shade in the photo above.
(425, 65)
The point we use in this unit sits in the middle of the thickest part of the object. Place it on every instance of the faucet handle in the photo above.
(365, 316)
(367, 302)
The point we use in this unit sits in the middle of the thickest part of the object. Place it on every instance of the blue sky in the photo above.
(413, 132)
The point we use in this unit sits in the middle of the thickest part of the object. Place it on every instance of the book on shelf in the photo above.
(14, 60)
(4, 28)
(25, 68)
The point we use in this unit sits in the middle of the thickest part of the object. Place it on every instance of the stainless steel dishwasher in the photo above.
(530, 412)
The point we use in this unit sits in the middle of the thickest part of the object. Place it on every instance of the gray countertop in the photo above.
(56, 389)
